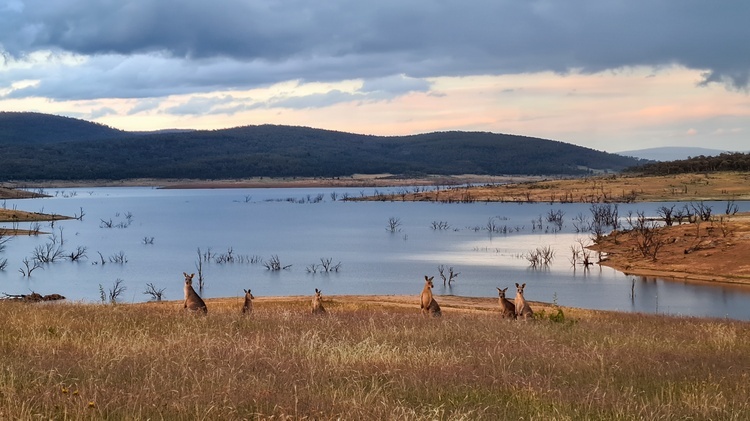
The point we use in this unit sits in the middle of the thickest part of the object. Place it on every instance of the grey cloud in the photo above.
(315, 100)
(200, 105)
(102, 112)
(381, 89)
(146, 48)
(398, 84)
(230, 110)
(144, 105)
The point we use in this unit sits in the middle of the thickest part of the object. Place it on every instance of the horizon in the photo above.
(604, 75)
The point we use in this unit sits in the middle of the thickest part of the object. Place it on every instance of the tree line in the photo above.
(723, 162)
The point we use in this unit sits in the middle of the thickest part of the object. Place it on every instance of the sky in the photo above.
(612, 75)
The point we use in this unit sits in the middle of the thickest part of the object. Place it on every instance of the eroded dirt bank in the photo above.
(715, 250)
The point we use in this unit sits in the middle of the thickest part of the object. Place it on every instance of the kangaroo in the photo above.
(317, 303)
(247, 308)
(193, 301)
(427, 301)
(507, 309)
(522, 307)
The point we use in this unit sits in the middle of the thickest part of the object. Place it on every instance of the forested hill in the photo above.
(84, 150)
(35, 128)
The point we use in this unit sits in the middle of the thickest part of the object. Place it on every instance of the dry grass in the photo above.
(15, 216)
(11, 193)
(363, 361)
(610, 188)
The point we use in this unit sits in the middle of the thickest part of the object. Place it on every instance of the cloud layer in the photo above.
(86, 49)
(608, 74)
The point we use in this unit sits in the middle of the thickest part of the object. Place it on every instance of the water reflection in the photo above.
(303, 226)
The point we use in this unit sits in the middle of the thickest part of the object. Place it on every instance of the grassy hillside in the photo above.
(283, 151)
(364, 361)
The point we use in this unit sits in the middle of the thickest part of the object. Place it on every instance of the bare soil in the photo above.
(13, 215)
(14, 193)
(716, 251)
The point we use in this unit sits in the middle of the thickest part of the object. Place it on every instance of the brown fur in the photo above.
(247, 308)
(522, 307)
(507, 309)
(193, 301)
(317, 303)
(428, 304)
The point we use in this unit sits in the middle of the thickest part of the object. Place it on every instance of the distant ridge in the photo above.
(670, 153)
(72, 149)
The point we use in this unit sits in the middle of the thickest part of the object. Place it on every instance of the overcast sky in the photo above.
(612, 75)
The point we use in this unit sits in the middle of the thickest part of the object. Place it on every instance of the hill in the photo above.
(84, 151)
(28, 129)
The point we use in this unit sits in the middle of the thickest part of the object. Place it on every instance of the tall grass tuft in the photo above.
(364, 361)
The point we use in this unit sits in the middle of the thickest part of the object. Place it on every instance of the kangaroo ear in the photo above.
(245, 290)
(431, 278)
(426, 278)
(517, 286)
(524, 285)
(185, 273)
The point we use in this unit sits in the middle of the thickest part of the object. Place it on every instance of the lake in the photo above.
(151, 236)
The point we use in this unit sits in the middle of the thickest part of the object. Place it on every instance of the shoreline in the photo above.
(680, 276)
(451, 303)
(357, 180)
(343, 304)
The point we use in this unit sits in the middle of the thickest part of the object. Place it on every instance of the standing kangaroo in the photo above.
(317, 303)
(193, 301)
(522, 307)
(247, 308)
(427, 301)
(507, 309)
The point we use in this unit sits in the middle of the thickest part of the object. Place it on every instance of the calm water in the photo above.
(303, 226)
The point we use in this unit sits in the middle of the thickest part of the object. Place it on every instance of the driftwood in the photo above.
(33, 297)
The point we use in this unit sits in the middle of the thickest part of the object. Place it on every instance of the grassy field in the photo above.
(364, 361)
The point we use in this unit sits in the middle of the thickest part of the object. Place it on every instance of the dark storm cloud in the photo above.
(147, 48)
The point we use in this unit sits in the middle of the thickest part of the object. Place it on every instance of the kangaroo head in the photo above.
(248, 294)
(317, 293)
(501, 292)
(188, 278)
(428, 281)
(519, 288)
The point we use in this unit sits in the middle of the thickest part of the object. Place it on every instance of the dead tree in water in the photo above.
(451, 275)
